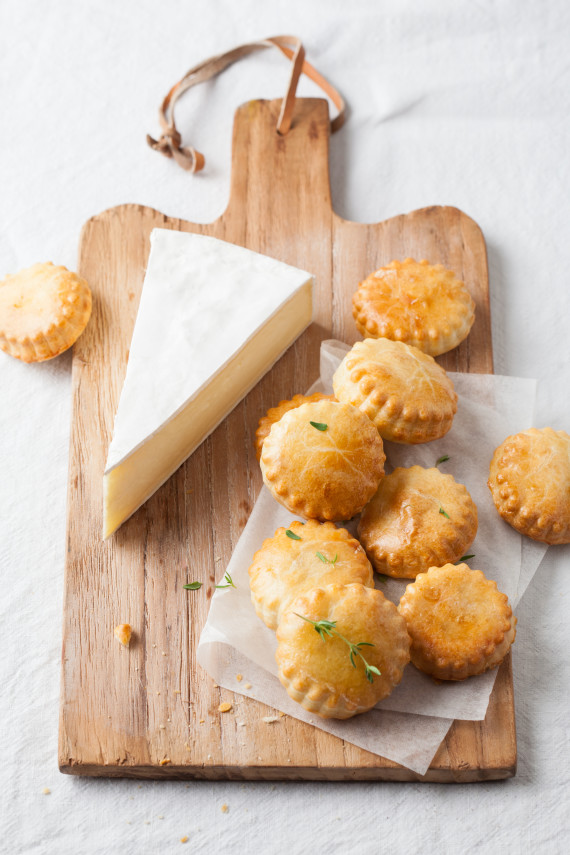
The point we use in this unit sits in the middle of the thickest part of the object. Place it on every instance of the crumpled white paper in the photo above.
(408, 726)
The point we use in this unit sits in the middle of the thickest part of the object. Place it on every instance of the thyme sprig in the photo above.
(229, 582)
(326, 560)
(467, 557)
(445, 514)
(326, 629)
(292, 534)
(319, 425)
(443, 459)
(192, 586)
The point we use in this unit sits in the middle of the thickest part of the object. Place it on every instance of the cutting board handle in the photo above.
(170, 142)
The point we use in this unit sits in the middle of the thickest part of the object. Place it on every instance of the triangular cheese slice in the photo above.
(213, 318)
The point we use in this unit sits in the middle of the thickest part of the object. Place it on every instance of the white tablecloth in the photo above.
(456, 103)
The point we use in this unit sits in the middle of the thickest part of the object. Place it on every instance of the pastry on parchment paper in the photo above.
(407, 395)
(340, 677)
(459, 622)
(273, 415)
(43, 311)
(530, 483)
(418, 518)
(302, 557)
(323, 460)
(416, 302)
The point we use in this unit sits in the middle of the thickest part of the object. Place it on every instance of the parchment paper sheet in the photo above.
(408, 726)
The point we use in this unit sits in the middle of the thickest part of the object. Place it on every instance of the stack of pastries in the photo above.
(342, 645)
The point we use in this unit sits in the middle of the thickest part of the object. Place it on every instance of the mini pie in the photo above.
(530, 482)
(286, 567)
(274, 414)
(408, 396)
(415, 302)
(419, 518)
(460, 624)
(323, 460)
(43, 310)
(317, 672)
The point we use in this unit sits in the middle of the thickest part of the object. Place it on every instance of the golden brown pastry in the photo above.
(415, 302)
(302, 557)
(274, 414)
(43, 310)
(338, 678)
(459, 623)
(418, 518)
(530, 483)
(408, 396)
(323, 460)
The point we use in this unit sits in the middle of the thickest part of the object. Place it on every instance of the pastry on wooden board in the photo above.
(416, 302)
(407, 395)
(302, 557)
(323, 460)
(273, 415)
(529, 480)
(418, 518)
(459, 622)
(43, 311)
(320, 670)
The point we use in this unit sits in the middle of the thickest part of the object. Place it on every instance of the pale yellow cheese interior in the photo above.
(129, 484)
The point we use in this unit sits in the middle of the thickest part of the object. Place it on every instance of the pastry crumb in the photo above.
(247, 686)
(202, 720)
(165, 761)
(123, 633)
(239, 677)
(240, 723)
(224, 808)
(160, 816)
(176, 691)
(46, 791)
(281, 714)
(184, 839)
(225, 707)
(270, 718)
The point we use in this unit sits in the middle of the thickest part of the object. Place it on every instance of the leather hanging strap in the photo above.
(170, 142)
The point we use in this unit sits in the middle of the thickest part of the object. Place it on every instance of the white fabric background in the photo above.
(451, 102)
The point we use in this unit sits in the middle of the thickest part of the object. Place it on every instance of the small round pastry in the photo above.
(408, 396)
(43, 311)
(418, 518)
(529, 480)
(274, 414)
(416, 302)
(337, 677)
(302, 557)
(323, 460)
(459, 623)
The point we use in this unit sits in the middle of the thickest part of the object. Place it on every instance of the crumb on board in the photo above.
(216, 686)
(123, 633)
(184, 839)
(202, 720)
(176, 691)
(225, 707)
(162, 726)
(224, 808)
(160, 816)
(46, 791)
(281, 714)
(269, 719)
(247, 686)
(240, 723)
(165, 761)
(239, 677)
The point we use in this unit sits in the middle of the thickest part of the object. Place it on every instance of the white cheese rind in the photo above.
(213, 318)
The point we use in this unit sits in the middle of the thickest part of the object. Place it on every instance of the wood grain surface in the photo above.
(150, 711)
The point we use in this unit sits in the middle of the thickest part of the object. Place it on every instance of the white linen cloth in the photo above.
(455, 103)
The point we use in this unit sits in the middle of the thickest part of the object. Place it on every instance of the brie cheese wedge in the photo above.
(213, 318)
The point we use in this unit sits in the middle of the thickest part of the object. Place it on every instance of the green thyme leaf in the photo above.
(382, 579)
(326, 560)
(466, 557)
(327, 628)
(292, 534)
(445, 514)
(229, 582)
(192, 586)
(319, 425)
(442, 459)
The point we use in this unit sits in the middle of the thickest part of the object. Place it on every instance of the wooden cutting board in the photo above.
(150, 711)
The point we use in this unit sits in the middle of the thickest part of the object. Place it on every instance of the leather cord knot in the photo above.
(170, 142)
